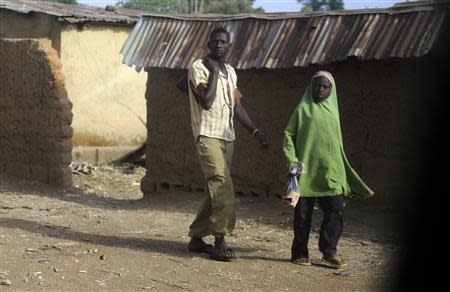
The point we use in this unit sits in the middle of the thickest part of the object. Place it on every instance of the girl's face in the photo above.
(321, 88)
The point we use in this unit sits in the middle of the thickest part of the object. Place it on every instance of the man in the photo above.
(214, 100)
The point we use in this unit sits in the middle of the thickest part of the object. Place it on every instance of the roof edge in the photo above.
(403, 7)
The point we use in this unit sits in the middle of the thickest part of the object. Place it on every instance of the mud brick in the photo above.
(60, 175)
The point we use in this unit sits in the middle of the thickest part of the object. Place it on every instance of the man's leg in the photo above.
(229, 150)
(213, 154)
(331, 228)
(302, 225)
(221, 188)
(223, 216)
(201, 226)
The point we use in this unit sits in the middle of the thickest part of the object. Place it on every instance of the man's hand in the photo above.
(212, 65)
(205, 94)
(261, 139)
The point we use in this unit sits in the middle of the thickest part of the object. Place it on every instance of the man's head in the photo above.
(219, 43)
(320, 88)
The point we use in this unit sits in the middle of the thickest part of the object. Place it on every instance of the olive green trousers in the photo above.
(216, 214)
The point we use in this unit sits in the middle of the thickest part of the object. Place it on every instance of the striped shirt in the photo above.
(217, 122)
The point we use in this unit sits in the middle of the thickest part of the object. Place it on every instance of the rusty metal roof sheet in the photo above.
(284, 40)
(73, 13)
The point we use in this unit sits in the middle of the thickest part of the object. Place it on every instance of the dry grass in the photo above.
(84, 139)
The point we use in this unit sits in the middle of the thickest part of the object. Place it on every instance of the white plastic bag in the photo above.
(291, 192)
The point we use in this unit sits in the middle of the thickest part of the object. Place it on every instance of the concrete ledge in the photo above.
(97, 155)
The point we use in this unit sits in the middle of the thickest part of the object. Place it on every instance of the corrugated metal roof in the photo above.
(73, 13)
(285, 40)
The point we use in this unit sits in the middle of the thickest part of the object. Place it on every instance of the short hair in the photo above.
(219, 30)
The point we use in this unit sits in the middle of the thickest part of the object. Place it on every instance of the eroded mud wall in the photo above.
(35, 113)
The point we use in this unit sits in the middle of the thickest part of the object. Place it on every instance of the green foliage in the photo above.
(62, 1)
(229, 7)
(156, 6)
(317, 5)
(192, 6)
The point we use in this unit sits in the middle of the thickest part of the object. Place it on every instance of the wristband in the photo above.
(255, 131)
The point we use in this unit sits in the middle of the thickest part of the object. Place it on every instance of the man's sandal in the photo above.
(223, 255)
(201, 247)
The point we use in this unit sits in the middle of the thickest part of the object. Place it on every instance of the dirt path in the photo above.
(101, 236)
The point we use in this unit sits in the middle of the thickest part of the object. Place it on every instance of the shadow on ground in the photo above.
(164, 246)
(362, 219)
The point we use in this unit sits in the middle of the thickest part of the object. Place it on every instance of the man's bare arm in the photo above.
(205, 94)
(245, 120)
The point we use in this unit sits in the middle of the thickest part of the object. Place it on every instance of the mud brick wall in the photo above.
(385, 120)
(35, 113)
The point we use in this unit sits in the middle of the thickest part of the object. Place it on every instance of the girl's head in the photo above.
(321, 85)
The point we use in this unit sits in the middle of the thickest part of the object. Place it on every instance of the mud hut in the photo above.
(382, 60)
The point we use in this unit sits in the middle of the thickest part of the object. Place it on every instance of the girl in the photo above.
(313, 137)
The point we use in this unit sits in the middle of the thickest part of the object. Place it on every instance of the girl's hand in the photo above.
(296, 169)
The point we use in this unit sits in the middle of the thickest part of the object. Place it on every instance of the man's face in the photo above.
(218, 45)
(321, 88)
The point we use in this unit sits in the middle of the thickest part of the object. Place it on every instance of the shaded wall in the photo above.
(35, 114)
(30, 25)
(107, 96)
(384, 118)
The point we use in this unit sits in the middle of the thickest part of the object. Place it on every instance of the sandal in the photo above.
(223, 255)
(200, 247)
(231, 253)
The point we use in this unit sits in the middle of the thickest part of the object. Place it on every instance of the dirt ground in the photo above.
(101, 235)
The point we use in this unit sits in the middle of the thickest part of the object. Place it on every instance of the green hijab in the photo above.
(313, 136)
